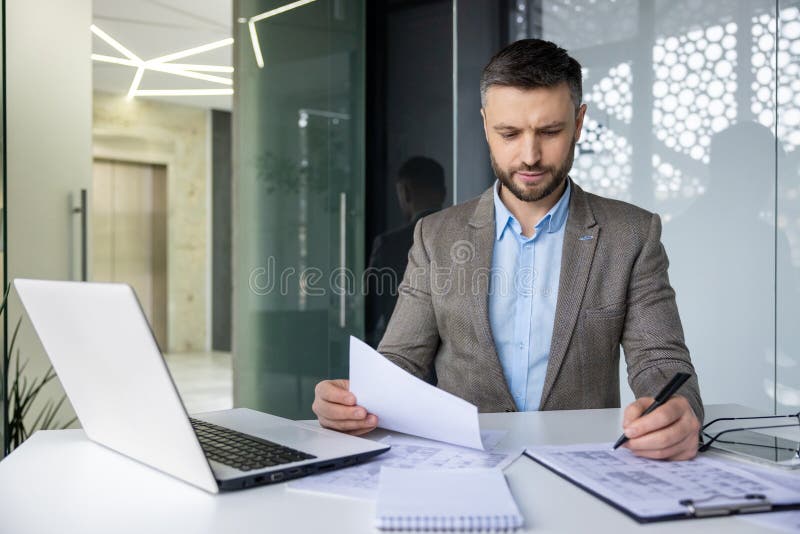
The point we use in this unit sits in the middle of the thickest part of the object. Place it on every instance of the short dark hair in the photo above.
(422, 174)
(531, 63)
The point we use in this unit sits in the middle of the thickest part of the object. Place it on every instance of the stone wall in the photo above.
(147, 131)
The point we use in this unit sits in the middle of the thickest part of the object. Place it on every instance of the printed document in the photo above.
(651, 489)
(404, 403)
(362, 481)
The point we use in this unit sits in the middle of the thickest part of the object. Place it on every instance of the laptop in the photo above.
(103, 350)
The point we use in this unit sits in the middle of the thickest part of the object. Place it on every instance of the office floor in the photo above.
(204, 379)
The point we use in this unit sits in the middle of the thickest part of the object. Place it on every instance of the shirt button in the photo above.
(521, 346)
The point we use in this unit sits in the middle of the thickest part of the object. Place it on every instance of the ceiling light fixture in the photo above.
(251, 26)
(163, 64)
(183, 92)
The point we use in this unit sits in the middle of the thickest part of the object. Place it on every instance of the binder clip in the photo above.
(753, 502)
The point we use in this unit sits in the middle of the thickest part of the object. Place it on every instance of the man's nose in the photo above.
(531, 152)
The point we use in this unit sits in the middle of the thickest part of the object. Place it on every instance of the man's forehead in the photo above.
(510, 94)
(510, 105)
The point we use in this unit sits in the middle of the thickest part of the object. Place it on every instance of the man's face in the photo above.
(531, 135)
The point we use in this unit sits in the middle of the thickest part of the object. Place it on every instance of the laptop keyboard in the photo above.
(242, 451)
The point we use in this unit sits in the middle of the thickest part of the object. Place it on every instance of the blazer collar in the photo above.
(580, 242)
(484, 210)
(580, 211)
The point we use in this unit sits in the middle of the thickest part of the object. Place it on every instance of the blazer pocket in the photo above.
(602, 329)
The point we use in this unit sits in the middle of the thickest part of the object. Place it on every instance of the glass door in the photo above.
(47, 180)
(298, 208)
(4, 370)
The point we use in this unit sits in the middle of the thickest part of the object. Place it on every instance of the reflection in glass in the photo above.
(678, 97)
(694, 88)
(603, 160)
(298, 201)
(787, 125)
(763, 62)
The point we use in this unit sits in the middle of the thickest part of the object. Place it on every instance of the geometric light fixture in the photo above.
(165, 64)
(251, 25)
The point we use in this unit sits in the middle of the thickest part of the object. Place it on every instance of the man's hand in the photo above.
(670, 432)
(336, 408)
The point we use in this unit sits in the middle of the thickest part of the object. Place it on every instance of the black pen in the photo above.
(663, 396)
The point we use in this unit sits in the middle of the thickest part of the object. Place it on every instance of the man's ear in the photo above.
(579, 121)
(404, 192)
(485, 128)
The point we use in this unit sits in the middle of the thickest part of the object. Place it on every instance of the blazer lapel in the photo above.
(580, 242)
(482, 238)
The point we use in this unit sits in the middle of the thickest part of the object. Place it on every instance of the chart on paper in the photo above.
(407, 452)
(651, 488)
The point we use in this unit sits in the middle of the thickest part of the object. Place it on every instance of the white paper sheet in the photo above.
(361, 481)
(652, 488)
(405, 403)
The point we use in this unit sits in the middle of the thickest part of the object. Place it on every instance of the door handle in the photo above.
(342, 259)
(81, 209)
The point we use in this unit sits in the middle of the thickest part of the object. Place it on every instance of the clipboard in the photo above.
(717, 504)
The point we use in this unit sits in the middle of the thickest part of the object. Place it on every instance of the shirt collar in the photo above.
(552, 221)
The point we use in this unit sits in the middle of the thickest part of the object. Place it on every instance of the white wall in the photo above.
(49, 116)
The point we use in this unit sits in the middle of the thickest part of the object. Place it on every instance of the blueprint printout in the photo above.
(361, 481)
(653, 488)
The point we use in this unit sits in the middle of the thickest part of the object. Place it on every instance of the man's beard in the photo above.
(533, 193)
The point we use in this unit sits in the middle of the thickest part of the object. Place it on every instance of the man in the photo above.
(587, 274)
(420, 191)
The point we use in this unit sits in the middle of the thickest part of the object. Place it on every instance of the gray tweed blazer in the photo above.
(613, 290)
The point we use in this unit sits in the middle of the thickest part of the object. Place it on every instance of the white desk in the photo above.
(59, 482)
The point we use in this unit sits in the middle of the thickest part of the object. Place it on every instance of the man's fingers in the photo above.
(338, 412)
(663, 438)
(360, 432)
(661, 417)
(360, 426)
(686, 449)
(670, 432)
(634, 410)
(341, 382)
(335, 391)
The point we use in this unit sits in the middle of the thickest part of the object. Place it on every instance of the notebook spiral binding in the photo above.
(444, 523)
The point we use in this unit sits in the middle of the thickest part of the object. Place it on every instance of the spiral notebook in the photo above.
(445, 499)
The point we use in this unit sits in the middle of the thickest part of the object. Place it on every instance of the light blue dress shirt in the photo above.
(523, 291)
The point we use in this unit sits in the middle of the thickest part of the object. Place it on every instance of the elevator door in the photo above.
(129, 234)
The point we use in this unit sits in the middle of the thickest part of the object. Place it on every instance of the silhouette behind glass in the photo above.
(420, 191)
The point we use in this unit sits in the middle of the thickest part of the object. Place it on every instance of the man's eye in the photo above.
(551, 132)
(509, 135)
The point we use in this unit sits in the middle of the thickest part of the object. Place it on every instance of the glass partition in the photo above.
(786, 56)
(4, 369)
(682, 121)
(692, 114)
(298, 208)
